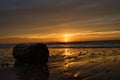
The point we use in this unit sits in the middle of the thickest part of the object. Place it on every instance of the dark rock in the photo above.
(31, 53)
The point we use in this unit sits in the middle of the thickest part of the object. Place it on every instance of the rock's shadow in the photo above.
(32, 72)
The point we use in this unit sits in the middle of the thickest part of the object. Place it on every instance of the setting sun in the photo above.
(66, 39)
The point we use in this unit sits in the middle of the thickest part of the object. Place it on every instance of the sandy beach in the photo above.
(66, 64)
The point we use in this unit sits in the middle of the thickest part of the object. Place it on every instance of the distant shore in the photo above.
(85, 44)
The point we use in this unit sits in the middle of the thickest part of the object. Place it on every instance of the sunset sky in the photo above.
(59, 20)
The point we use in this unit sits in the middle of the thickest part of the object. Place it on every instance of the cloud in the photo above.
(16, 4)
(59, 35)
(85, 36)
(23, 17)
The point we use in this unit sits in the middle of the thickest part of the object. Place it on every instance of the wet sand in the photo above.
(69, 64)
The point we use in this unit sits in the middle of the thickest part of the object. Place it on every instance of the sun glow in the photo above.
(66, 37)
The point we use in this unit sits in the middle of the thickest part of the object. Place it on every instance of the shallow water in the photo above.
(67, 64)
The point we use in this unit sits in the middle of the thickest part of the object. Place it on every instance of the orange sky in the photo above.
(67, 37)
(59, 20)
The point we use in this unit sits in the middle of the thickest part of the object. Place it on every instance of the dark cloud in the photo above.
(39, 16)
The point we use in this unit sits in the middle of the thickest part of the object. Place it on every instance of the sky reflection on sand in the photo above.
(85, 63)
(71, 64)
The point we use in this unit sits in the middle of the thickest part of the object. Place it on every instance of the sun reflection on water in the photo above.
(67, 52)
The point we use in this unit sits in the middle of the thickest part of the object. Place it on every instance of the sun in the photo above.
(66, 39)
